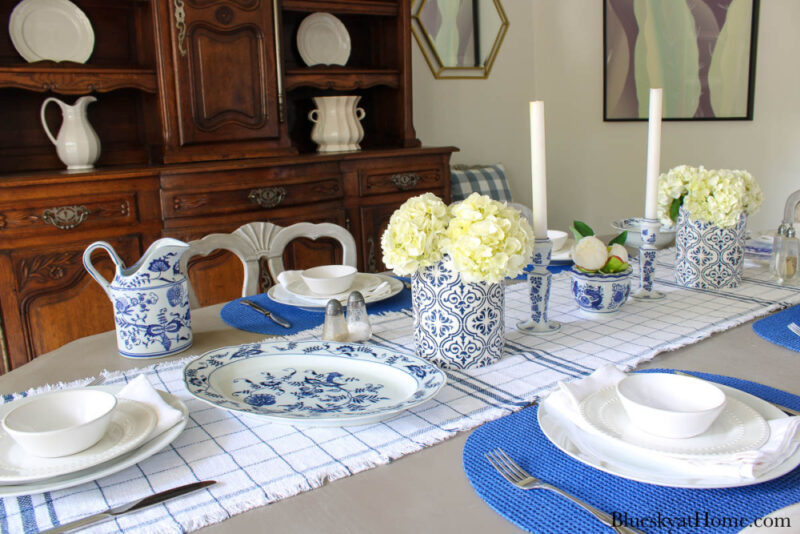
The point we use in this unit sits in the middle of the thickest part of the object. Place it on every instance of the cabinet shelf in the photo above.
(341, 78)
(76, 79)
(364, 7)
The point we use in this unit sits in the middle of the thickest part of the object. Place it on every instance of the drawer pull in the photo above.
(65, 217)
(267, 197)
(406, 181)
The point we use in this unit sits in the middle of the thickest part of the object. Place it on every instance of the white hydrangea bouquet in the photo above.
(482, 239)
(458, 257)
(710, 208)
(716, 196)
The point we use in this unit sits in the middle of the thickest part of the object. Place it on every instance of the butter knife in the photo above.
(157, 498)
(276, 318)
(784, 409)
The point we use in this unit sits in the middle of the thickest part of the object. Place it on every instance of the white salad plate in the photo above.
(131, 422)
(295, 295)
(313, 383)
(738, 428)
(634, 463)
(142, 452)
(51, 29)
(322, 39)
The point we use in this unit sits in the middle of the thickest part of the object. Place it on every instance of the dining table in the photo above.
(426, 491)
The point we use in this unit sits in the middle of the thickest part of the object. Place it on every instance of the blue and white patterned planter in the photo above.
(457, 325)
(708, 257)
(601, 292)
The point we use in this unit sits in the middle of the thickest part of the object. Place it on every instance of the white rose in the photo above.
(619, 251)
(590, 253)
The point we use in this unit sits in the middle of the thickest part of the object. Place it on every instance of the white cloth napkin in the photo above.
(139, 389)
(373, 293)
(784, 438)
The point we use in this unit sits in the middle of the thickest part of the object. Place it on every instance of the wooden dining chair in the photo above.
(256, 240)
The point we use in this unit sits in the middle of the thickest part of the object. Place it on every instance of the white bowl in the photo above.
(329, 279)
(60, 423)
(670, 406)
(664, 238)
(558, 238)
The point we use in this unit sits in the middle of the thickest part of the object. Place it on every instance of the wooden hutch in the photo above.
(202, 115)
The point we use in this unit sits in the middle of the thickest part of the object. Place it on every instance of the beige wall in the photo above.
(553, 52)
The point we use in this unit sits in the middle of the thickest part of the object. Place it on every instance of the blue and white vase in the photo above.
(601, 292)
(708, 257)
(457, 325)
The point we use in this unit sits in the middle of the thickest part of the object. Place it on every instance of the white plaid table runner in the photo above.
(257, 463)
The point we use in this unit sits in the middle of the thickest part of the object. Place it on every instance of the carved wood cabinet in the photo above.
(202, 112)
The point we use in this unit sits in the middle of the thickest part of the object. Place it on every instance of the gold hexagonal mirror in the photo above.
(459, 38)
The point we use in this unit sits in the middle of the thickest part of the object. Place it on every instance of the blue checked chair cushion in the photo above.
(487, 180)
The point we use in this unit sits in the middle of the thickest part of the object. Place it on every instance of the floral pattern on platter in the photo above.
(457, 325)
(601, 292)
(708, 256)
(310, 382)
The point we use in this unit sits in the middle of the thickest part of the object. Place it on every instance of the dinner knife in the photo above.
(157, 498)
(784, 409)
(277, 318)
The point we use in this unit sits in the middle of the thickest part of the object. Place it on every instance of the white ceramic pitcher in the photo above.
(336, 123)
(150, 298)
(77, 144)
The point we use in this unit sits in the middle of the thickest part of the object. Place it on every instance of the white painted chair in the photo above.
(253, 241)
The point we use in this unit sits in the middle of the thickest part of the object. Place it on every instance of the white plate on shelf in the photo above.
(322, 39)
(280, 294)
(313, 383)
(140, 453)
(738, 428)
(51, 29)
(633, 463)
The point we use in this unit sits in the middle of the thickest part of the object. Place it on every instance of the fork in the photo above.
(794, 328)
(513, 473)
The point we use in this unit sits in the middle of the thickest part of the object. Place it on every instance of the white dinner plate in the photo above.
(313, 383)
(131, 422)
(633, 463)
(322, 39)
(279, 294)
(738, 428)
(51, 29)
(138, 454)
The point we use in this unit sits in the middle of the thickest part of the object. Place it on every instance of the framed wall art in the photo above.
(701, 52)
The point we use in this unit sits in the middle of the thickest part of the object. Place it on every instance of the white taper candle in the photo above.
(538, 170)
(653, 153)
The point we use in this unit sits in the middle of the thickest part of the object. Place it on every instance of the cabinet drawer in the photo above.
(415, 177)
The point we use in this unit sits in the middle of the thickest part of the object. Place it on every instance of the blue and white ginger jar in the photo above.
(601, 292)
(457, 325)
(708, 257)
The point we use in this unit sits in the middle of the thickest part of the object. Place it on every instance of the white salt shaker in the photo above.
(357, 319)
(334, 328)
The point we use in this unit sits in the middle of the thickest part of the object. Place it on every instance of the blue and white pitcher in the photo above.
(151, 300)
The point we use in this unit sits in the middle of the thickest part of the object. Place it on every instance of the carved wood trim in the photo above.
(189, 202)
(341, 81)
(78, 81)
(62, 267)
(65, 217)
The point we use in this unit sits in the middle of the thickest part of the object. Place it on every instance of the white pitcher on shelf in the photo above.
(77, 144)
(336, 123)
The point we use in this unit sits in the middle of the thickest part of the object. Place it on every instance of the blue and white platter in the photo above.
(313, 383)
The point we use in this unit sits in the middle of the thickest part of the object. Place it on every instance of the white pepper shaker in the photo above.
(357, 319)
(335, 327)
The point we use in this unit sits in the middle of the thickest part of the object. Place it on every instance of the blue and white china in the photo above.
(457, 325)
(758, 249)
(708, 257)
(150, 299)
(539, 281)
(601, 292)
(665, 235)
(648, 237)
(313, 383)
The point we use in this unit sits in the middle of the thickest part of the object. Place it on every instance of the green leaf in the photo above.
(582, 228)
(620, 239)
(614, 265)
(576, 234)
(674, 208)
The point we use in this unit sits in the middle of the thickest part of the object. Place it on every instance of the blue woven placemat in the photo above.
(773, 328)
(544, 512)
(240, 316)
